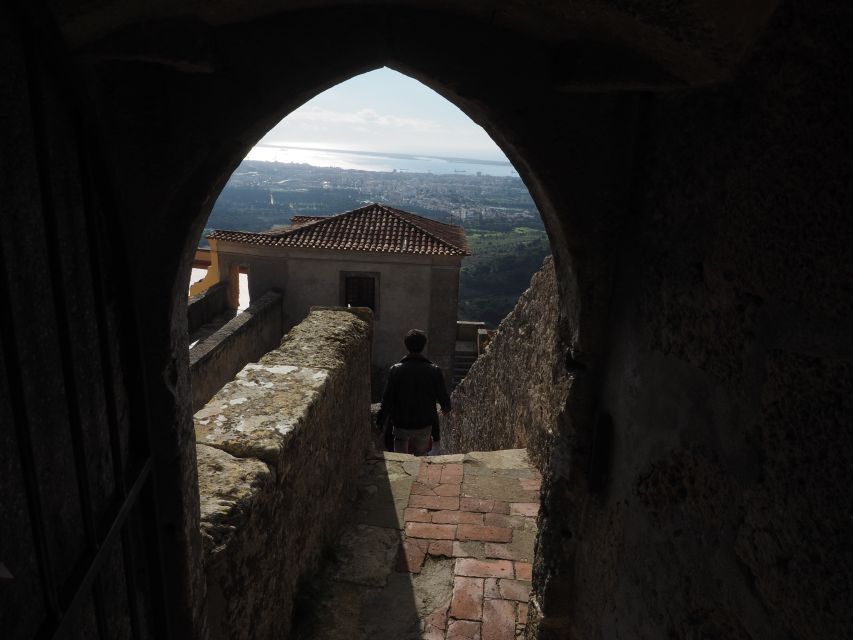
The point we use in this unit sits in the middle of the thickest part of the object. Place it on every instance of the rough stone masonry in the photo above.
(497, 406)
(278, 448)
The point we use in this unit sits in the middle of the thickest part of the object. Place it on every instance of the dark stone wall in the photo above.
(205, 306)
(93, 546)
(722, 430)
(513, 394)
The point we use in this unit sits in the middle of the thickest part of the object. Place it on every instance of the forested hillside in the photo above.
(499, 271)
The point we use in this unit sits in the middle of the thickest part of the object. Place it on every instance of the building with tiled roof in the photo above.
(374, 228)
(403, 266)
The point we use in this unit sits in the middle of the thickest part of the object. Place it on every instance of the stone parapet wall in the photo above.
(513, 394)
(205, 306)
(279, 448)
(245, 338)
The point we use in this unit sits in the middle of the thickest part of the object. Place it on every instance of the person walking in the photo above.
(415, 385)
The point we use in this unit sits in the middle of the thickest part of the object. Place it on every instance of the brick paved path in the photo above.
(435, 548)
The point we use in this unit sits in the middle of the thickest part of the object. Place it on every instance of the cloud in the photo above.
(363, 118)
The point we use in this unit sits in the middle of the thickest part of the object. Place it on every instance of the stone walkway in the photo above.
(434, 548)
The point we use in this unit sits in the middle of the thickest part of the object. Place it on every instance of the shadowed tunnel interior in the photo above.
(691, 164)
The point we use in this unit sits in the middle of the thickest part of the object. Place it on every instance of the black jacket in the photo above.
(414, 387)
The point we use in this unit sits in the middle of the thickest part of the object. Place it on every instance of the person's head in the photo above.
(415, 341)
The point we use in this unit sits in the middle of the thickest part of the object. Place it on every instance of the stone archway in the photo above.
(185, 133)
(187, 99)
(682, 223)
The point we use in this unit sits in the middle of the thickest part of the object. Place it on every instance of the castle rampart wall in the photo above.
(245, 338)
(513, 393)
(278, 449)
(205, 306)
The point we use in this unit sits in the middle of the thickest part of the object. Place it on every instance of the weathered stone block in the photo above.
(228, 487)
(492, 407)
(279, 450)
(215, 360)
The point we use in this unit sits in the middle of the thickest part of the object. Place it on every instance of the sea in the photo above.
(380, 161)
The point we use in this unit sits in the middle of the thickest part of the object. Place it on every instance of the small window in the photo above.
(359, 290)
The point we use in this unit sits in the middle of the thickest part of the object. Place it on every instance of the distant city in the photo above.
(504, 227)
(267, 194)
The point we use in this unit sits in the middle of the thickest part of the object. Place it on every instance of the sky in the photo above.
(385, 111)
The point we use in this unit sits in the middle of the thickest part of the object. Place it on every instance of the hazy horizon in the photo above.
(381, 111)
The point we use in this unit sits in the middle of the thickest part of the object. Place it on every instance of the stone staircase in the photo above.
(463, 358)
(434, 548)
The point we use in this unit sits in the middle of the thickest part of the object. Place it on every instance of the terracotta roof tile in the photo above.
(295, 220)
(374, 227)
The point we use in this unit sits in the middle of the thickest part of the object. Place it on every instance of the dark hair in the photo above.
(415, 340)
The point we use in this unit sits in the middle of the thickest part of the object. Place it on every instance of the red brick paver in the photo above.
(467, 602)
(441, 548)
(494, 550)
(432, 531)
(416, 515)
(530, 484)
(432, 633)
(484, 534)
(437, 618)
(483, 568)
(411, 557)
(429, 474)
(446, 521)
(498, 620)
(491, 589)
(419, 489)
(448, 490)
(475, 504)
(518, 590)
(434, 502)
(451, 474)
(523, 571)
(501, 507)
(463, 630)
(524, 508)
(469, 503)
(457, 517)
(499, 520)
(459, 550)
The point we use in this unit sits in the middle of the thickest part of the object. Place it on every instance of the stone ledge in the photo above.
(321, 339)
(228, 487)
(245, 338)
(238, 324)
(253, 415)
(203, 307)
(279, 449)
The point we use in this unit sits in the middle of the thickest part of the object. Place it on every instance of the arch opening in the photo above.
(500, 233)
(699, 231)
(484, 70)
(386, 138)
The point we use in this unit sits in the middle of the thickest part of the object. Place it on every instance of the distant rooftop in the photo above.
(374, 227)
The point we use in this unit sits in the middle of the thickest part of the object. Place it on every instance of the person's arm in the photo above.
(387, 400)
(441, 391)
